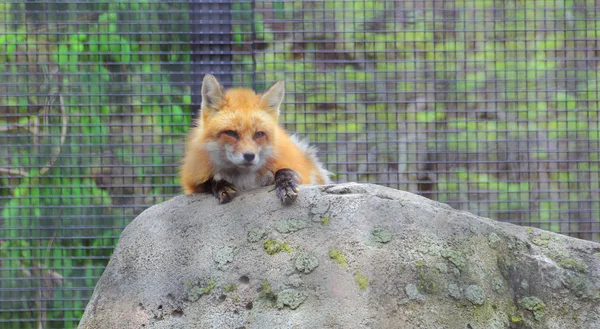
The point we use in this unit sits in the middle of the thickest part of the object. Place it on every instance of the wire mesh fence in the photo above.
(488, 105)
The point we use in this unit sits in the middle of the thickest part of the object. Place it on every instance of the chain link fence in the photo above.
(490, 106)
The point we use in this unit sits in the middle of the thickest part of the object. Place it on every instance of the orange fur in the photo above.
(242, 111)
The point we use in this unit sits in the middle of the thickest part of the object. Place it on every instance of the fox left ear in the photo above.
(271, 99)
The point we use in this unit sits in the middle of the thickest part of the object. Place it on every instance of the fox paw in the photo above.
(226, 194)
(286, 185)
(224, 191)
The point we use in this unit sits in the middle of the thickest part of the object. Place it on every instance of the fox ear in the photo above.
(212, 93)
(271, 99)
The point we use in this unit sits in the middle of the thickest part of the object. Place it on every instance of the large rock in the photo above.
(343, 256)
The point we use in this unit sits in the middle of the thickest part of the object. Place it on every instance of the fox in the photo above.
(237, 144)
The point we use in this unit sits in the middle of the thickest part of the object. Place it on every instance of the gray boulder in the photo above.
(343, 256)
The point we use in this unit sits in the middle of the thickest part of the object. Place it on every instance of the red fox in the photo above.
(238, 145)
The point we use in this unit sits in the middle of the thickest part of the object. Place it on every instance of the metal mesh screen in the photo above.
(488, 105)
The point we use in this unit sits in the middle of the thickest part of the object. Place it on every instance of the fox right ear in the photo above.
(212, 93)
(271, 99)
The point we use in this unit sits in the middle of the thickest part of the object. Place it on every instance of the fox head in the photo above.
(239, 126)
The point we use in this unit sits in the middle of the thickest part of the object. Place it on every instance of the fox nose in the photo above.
(249, 156)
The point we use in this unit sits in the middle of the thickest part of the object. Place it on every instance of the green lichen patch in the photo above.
(273, 246)
(290, 297)
(209, 287)
(475, 294)
(428, 279)
(455, 258)
(535, 305)
(540, 240)
(306, 262)
(502, 265)
(578, 284)
(223, 256)
(290, 225)
(381, 235)
(454, 291)
(515, 318)
(361, 280)
(325, 220)
(338, 257)
(230, 287)
(266, 291)
(494, 240)
(256, 234)
(197, 291)
(572, 264)
(412, 291)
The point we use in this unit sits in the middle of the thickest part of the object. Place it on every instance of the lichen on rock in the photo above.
(256, 234)
(475, 294)
(273, 246)
(361, 280)
(306, 262)
(441, 267)
(381, 235)
(337, 256)
(534, 305)
(455, 257)
(290, 297)
(290, 225)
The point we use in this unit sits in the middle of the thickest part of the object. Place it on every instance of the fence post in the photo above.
(210, 29)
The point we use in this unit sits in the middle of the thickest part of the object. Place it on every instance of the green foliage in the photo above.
(483, 95)
(105, 71)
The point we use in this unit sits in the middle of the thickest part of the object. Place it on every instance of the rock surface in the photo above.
(343, 256)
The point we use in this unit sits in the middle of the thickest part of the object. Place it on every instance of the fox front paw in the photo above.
(286, 185)
(224, 191)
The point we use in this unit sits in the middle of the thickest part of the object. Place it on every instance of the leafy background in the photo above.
(490, 106)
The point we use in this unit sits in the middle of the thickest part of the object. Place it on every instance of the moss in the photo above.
(534, 305)
(338, 257)
(273, 246)
(361, 280)
(325, 220)
(515, 319)
(230, 287)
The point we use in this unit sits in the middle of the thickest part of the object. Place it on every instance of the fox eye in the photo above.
(231, 133)
(259, 134)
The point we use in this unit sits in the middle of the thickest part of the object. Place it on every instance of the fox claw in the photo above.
(224, 191)
(226, 194)
(286, 185)
(287, 195)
